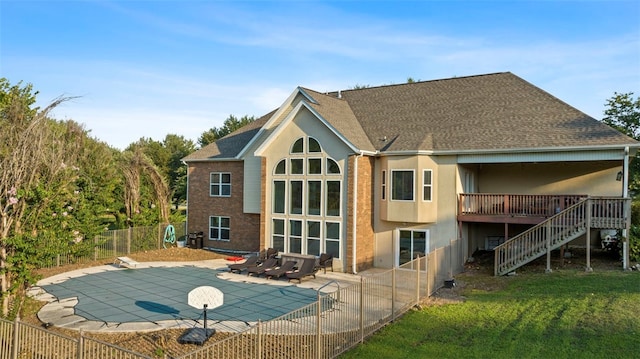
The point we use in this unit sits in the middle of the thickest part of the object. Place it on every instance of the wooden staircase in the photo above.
(560, 229)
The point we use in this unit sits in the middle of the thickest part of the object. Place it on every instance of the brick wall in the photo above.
(244, 227)
(364, 216)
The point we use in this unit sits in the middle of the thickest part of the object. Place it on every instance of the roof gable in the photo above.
(496, 112)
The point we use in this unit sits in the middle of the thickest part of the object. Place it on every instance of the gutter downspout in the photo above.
(355, 215)
(625, 194)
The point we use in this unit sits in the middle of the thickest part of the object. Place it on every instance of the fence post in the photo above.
(393, 294)
(361, 309)
(81, 345)
(418, 280)
(129, 235)
(57, 260)
(95, 248)
(115, 244)
(318, 328)
(16, 339)
(160, 236)
(258, 329)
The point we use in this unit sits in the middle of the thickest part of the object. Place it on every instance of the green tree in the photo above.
(38, 180)
(623, 114)
(231, 124)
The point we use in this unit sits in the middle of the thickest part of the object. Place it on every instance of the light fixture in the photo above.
(619, 176)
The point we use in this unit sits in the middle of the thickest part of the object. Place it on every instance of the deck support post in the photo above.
(548, 235)
(588, 236)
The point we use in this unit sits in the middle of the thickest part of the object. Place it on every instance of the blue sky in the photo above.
(150, 68)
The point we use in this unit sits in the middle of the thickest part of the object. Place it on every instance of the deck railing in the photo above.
(494, 204)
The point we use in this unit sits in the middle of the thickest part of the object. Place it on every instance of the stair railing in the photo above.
(542, 238)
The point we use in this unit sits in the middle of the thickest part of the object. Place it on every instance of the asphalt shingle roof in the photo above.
(486, 112)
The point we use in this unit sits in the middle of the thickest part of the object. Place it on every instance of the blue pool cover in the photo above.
(160, 293)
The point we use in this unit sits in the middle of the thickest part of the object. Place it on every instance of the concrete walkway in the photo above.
(153, 296)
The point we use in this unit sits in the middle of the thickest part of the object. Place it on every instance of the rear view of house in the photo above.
(378, 176)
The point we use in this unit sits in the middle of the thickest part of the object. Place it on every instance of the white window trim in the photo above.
(396, 242)
(425, 185)
(413, 185)
(220, 184)
(220, 229)
(383, 187)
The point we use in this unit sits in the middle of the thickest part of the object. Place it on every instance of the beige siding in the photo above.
(592, 178)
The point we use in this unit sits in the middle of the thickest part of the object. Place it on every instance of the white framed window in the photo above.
(296, 197)
(314, 166)
(298, 146)
(220, 184)
(281, 168)
(297, 166)
(402, 185)
(278, 234)
(332, 238)
(314, 145)
(427, 185)
(279, 190)
(384, 185)
(219, 228)
(295, 236)
(332, 167)
(306, 201)
(313, 238)
(333, 199)
(411, 244)
(314, 197)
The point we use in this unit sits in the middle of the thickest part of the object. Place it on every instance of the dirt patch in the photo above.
(478, 272)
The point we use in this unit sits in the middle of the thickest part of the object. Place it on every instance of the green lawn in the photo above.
(559, 315)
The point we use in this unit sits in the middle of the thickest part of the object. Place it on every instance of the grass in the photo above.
(560, 315)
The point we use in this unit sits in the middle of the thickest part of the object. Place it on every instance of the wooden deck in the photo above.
(557, 219)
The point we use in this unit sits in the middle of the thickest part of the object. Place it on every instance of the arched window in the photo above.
(332, 167)
(281, 168)
(298, 146)
(306, 201)
(314, 145)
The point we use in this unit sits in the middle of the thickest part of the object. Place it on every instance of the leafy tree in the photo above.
(231, 124)
(623, 114)
(38, 180)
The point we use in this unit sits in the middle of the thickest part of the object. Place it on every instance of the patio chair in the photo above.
(251, 261)
(287, 266)
(325, 260)
(308, 268)
(269, 253)
(269, 263)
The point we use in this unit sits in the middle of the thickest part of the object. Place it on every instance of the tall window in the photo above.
(307, 193)
(402, 185)
(332, 238)
(333, 198)
(314, 196)
(278, 234)
(220, 184)
(278, 196)
(427, 185)
(384, 185)
(296, 197)
(313, 238)
(295, 236)
(219, 228)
